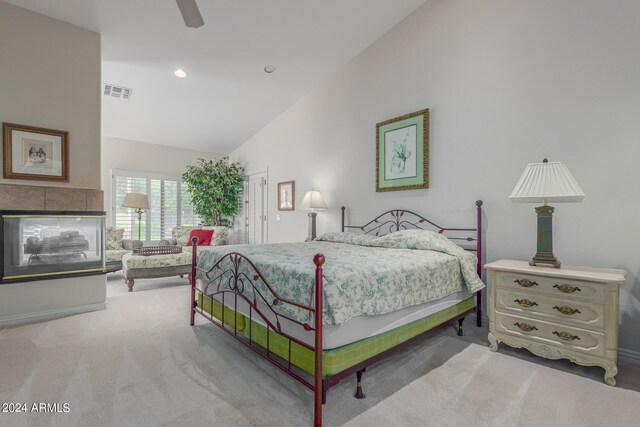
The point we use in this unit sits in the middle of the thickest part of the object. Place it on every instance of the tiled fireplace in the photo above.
(49, 233)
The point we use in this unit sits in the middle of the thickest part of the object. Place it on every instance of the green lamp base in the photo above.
(544, 254)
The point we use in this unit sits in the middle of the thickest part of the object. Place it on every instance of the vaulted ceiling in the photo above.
(227, 96)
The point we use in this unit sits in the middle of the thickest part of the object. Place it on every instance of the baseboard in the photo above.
(629, 356)
(52, 314)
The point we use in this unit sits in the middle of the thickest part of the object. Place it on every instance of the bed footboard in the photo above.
(235, 280)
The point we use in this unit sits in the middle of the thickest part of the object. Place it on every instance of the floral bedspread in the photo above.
(363, 275)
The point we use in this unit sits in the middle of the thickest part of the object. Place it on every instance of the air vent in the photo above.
(117, 91)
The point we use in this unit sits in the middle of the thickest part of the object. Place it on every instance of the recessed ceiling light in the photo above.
(180, 73)
(269, 69)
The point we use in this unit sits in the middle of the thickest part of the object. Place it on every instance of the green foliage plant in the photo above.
(215, 188)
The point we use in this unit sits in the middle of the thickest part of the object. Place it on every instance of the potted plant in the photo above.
(215, 188)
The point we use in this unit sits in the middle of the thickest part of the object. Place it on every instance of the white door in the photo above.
(256, 209)
(240, 219)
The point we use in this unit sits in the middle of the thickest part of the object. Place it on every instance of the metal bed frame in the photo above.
(228, 282)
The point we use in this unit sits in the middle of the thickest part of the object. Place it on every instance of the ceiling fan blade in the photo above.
(190, 13)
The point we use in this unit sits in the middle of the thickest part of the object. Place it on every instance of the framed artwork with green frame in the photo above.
(402, 152)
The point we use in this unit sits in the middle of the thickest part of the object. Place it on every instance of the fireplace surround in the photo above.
(39, 245)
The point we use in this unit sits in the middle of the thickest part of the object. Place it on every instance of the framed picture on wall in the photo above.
(402, 152)
(35, 153)
(286, 196)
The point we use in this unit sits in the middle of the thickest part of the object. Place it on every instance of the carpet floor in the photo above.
(139, 363)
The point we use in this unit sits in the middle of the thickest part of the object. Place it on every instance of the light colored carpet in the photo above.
(139, 363)
(478, 387)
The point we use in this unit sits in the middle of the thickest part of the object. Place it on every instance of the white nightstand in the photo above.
(569, 312)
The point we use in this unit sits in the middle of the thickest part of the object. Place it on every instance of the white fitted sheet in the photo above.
(362, 327)
(357, 328)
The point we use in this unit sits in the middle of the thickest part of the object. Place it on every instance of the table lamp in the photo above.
(139, 202)
(312, 202)
(546, 182)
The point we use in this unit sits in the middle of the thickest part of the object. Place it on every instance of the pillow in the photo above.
(348, 237)
(204, 237)
(181, 234)
(131, 244)
(419, 239)
(221, 233)
(113, 238)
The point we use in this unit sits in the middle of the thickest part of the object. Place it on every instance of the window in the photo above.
(125, 217)
(169, 205)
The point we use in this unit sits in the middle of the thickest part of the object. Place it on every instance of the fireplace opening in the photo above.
(42, 245)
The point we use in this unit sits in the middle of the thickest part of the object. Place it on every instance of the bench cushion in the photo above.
(130, 261)
(147, 267)
(114, 255)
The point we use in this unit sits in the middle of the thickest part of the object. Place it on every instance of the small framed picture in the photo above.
(35, 153)
(286, 196)
(402, 152)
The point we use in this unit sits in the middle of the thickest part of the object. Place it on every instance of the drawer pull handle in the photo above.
(525, 302)
(566, 310)
(525, 327)
(566, 336)
(525, 283)
(567, 289)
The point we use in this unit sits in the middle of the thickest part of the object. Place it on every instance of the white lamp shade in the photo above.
(313, 201)
(135, 200)
(551, 181)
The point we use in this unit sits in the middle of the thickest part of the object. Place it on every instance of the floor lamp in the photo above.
(312, 202)
(139, 202)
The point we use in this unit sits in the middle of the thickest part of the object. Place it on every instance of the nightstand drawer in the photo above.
(581, 314)
(537, 330)
(563, 288)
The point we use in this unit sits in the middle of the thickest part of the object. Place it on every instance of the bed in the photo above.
(378, 289)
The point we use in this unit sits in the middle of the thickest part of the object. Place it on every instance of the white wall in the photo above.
(507, 83)
(50, 77)
(125, 154)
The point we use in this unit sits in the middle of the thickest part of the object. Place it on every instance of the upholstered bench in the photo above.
(155, 266)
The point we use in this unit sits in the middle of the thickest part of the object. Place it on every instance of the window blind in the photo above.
(168, 207)
(163, 212)
(126, 217)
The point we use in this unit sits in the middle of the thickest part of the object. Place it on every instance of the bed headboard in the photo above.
(401, 219)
